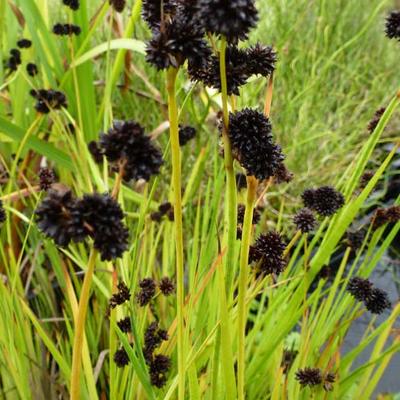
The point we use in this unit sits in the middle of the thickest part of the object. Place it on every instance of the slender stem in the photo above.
(176, 184)
(243, 278)
(80, 327)
(231, 195)
(268, 96)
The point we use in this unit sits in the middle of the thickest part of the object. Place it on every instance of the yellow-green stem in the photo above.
(176, 185)
(80, 327)
(243, 278)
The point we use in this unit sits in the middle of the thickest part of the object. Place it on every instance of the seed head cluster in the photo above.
(305, 220)
(250, 133)
(267, 253)
(146, 292)
(48, 99)
(314, 377)
(383, 216)
(118, 5)
(46, 178)
(126, 143)
(66, 29)
(32, 69)
(164, 209)
(324, 200)
(393, 25)
(186, 133)
(282, 174)
(121, 358)
(14, 60)
(375, 300)
(355, 239)
(125, 324)
(375, 119)
(64, 218)
(72, 4)
(121, 296)
(166, 286)
(24, 43)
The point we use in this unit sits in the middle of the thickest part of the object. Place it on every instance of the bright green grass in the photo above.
(335, 68)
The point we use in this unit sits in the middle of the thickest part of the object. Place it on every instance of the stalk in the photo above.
(176, 184)
(243, 278)
(80, 327)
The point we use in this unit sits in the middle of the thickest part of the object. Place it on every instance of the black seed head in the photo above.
(282, 174)
(24, 43)
(186, 133)
(393, 25)
(47, 178)
(156, 12)
(121, 296)
(325, 200)
(378, 301)
(383, 216)
(167, 286)
(152, 339)
(309, 376)
(360, 288)
(159, 367)
(252, 143)
(268, 253)
(305, 220)
(125, 324)
(156, 216)
(31, 69)
(147, 291)
(328, 381)
(118, 5)
(48, 99)
(72, 4)
(2, 213)
(126, 142)
(164, 207)
(355, 239)
(95, 151)
(365, 178)
(66, 29)
(375, 119)
(262, 60)
(230, 18)
(121, 358)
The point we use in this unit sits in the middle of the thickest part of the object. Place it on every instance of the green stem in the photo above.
(176, 184)
(243, 278)
(80, 327)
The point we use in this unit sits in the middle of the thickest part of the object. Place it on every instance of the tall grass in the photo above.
(335, 68)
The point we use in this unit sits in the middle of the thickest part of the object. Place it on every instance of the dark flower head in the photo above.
(393, 25)
(152, 339)
(121, 296)
(360, 288)
(15, 60)
(102, 216)
(156, 216)
(125, 324)
(158, 370)
(155, 12)
(282, 174)
(375, 119)
(118, 5)
(325, 200)
(186, 133)
(241, 211)
(378, 301)
(309, 376)
(147, 291)
(56, 218)
(288, 358)
(365, 178)
(262, 60)
(66, 29)
(230, 18)
(95, 151)
(48, 99)
(175, 42)
(166, 286)
(268, 253)
(329, 379)
(24, 43)
(355, 239)
(31, 69)
(383, 216)
(2, 213)
(47, 178)
(164, 207)
(121, 358)
(305, 220)
(253, 145)
(72, 4)
(126, 142)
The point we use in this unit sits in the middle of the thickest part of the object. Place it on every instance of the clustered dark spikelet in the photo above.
(147, 291)
(118, 5)
(158, 369)
(176, 41)
(365, 178)
(24, 43)
(282, 174)
(383, 216)
(309, 376)
(121, 358)
(262, 59)
(155, 11)
(46, 178)
(305, 220)
(72, 4)
(48, 99)
(66, 29)
(252, 143)
(375, 119)
(95, 151)
(14, 60)
(355, 239)
(375, 300)
(63, 218)
(125, 324)
(163, 209)
(186, 133)
(288, 358)
(2, 213)
(230, 18)
(393, 25)
(267, 252)
(325, 200)
(127, 143)
(167, 286)
(121, 296)
(32, 69)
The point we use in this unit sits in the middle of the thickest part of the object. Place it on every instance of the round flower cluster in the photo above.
(46, 178)
(24, 43)
(72, 4)
(15, 60)
(64, 218)
(393, 25)
(305, 220)
(325, 200)
(314, 377)
(383, 216)
(66, 29)
(48, 99)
